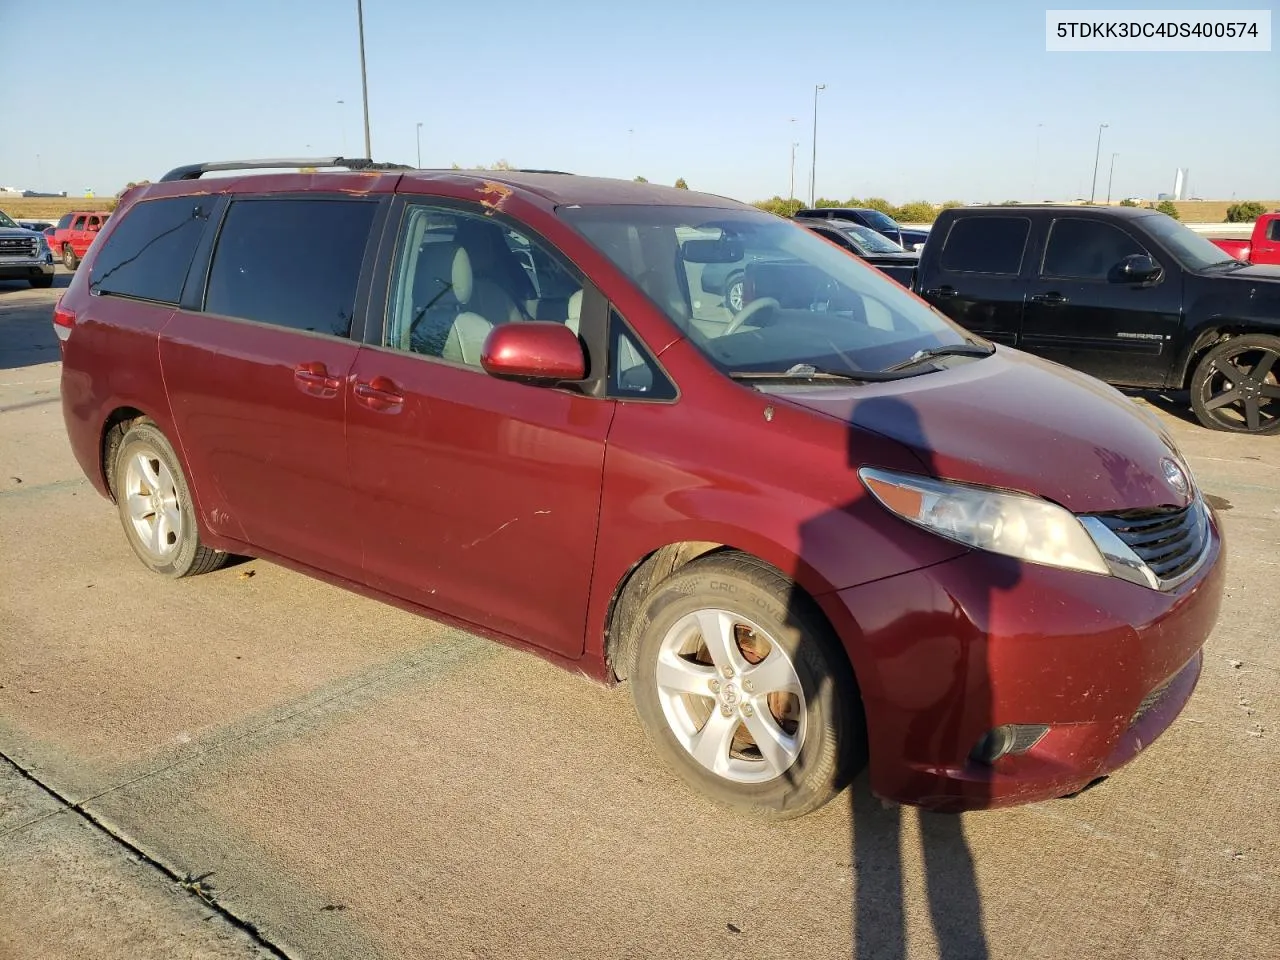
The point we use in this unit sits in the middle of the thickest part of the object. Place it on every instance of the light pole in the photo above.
(419, 132)
(1035, 169)
(791, 195)
(813, 168)
(1093, 191)
(1110, 175)
(364, 80)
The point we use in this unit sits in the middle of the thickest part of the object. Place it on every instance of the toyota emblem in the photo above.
(1175, 475)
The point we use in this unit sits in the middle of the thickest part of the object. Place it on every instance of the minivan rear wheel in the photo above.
(743, 689)
(1236, 385)
(155, 506)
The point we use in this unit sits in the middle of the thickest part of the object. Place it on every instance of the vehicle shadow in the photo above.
(1176, 403)
(929, 722)
(26, 323)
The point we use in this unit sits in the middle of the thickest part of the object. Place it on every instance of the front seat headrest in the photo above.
(463, 279)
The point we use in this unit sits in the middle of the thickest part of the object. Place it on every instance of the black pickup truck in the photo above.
(1128, 295)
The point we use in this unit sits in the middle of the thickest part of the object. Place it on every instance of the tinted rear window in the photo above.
(986, 245)
(149, 252)
(292, 263)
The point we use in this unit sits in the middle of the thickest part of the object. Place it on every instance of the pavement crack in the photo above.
(193, 886)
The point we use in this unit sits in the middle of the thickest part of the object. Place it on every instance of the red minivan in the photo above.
(829, 530)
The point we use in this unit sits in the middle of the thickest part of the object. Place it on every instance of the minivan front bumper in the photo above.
(1095, 667)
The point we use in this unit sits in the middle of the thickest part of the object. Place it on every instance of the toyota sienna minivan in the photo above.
(829, 530)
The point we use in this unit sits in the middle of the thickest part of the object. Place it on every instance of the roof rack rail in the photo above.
(193, 171)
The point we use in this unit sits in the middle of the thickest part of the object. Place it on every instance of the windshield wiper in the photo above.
(807, 372)
(967, 349)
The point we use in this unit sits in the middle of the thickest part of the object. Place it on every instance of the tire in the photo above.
(41, 282)
(151, 488)
(1236, 386)
(819, 736)
(733, 294)
(69, 258)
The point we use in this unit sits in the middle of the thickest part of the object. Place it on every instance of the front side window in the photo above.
(149, 252)
(1086, 249)
(79, 223)
(802, 301)
(291, 262)
(458, 275)
(986, 245)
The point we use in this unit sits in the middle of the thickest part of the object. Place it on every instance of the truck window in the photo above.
(1273, 230)
(986, 245)
(1085, 249)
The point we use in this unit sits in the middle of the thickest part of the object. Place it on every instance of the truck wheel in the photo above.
(156, 510)
(69, 258)
(42, 282)
(1236, 385)
(744, 689)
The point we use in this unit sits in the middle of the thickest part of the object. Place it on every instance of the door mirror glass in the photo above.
(1138, 268)
(534, 350)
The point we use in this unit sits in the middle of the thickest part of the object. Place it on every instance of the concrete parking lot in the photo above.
(253, 763)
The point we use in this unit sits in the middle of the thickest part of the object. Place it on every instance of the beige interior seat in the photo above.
(469, 329)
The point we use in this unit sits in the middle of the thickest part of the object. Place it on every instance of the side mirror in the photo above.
(1138, 268)
(544, 350)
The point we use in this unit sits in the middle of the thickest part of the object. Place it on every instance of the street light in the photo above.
(364, 80)
(1110, 175)
(813, 169)
(419, 132)
(791, 196)
(1093, 191)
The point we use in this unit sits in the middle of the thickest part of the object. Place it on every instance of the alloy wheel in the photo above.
(1242, 391)
(151, 500)
(731, 696)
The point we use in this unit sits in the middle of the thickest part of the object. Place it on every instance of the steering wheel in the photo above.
(749, 311)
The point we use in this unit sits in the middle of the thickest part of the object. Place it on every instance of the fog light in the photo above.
(1009, 738)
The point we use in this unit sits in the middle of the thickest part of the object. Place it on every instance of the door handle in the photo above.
(380, 394)
(313, 377)
(1049, 299)
(940, 292)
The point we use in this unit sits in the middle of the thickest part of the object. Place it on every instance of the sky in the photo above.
(923, 100)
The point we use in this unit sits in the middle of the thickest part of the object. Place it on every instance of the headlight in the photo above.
(1008, 523)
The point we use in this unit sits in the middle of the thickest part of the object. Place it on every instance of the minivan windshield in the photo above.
(759, 294)
(1191, 250)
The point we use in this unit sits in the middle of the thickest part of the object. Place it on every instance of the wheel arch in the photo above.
(623, 620)
(114, 427)
(1216, 332)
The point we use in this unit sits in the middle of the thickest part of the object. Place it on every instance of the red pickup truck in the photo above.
(1262, 247)
(73, 234)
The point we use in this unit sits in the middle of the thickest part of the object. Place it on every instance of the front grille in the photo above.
(19, 246)
(1170, 541)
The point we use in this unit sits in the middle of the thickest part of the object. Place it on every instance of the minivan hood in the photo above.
(1017, 422)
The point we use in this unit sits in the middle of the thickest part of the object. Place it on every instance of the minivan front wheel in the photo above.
(1236, 385)
(155, 506)
(743, 689)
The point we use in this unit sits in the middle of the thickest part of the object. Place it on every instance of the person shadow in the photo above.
(943, 709)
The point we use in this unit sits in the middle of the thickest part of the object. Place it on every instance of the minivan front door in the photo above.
(477, 497)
